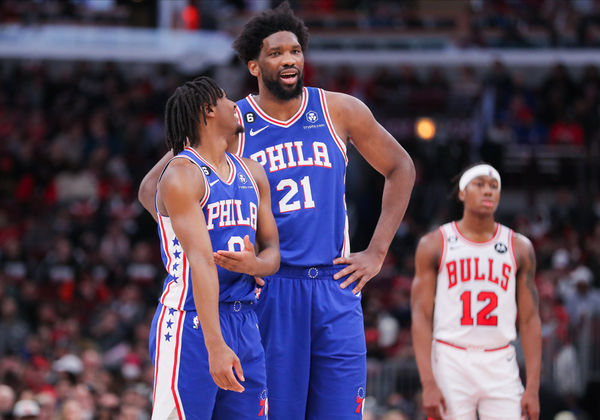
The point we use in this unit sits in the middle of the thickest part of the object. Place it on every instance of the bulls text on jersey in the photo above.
(470, 269)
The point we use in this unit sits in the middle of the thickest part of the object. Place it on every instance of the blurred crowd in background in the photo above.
(80, 268)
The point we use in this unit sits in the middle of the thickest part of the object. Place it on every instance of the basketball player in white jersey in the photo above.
(472, 278)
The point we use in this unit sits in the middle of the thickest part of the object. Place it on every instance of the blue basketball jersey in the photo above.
(231, 210)
(305, 162)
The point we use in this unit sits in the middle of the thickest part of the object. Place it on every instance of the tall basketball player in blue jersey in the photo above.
(311, 321)
(210, 206)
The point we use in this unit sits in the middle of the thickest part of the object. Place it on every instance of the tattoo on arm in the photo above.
(530, 277)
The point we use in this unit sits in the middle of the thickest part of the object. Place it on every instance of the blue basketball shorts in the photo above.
(183, 387)
(313, 335)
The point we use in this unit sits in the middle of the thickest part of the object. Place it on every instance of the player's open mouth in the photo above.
(289, 77)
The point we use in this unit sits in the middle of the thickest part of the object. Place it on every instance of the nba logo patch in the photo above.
(196, 323)
(312, 117)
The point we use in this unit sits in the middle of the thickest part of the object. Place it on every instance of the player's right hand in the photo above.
(433, 401)
(222, 362)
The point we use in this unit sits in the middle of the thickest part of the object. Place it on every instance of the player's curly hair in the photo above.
(183, 110)
(250, 41)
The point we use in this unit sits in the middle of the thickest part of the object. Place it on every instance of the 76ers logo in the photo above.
(264, 404)
(360, 398)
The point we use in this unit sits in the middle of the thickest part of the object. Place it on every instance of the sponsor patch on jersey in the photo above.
(452, 240)
(206, 170)
(500, 248)
(242, 178)
(312, 117)
(249, 117)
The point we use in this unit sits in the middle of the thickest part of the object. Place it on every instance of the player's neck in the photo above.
(214, 153)
(477, 228)
(280, 109)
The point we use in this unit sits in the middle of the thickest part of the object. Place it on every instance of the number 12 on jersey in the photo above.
(288, 202)
(484, 316)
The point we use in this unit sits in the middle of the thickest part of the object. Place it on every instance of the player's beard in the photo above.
(275, 86)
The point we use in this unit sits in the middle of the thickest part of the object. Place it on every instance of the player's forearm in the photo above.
(268, 262)
(422, 336)
(531, 340)
(396, 195)
(205, 288)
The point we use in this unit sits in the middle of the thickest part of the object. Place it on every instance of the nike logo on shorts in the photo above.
(254, 133)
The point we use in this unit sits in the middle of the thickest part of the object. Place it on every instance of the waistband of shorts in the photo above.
(471, 348)
(317, 272)
(236, 306)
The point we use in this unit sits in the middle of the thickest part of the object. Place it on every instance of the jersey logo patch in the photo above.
(500, 248)
(452, 242)
(360, 398)
(255, 132)
(242, 178)
(213, 183)
(249, 117)
(312, 117)
(206, 170)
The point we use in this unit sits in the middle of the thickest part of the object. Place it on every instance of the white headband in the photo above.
(474, 172)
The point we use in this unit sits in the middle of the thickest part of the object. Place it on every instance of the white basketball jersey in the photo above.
(475, 300)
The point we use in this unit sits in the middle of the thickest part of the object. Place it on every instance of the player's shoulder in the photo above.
(182, 174)
(255, 168)
(340, 99)
(431, 241)
(522, 246)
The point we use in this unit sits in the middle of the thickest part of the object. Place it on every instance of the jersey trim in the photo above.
(242, 135)
(493, 238)
(184, 280)
(277, 122)
(231, 166)
(511, 240)
(443, 252)
(467, 348)
(206, 185)
(340, 143)
(176, 362)
(156, 364)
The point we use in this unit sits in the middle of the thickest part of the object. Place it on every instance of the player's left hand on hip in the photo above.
(362, 267)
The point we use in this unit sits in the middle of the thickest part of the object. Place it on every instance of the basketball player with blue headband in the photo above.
(473, 277)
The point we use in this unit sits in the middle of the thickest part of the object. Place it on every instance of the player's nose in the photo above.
(288, 59)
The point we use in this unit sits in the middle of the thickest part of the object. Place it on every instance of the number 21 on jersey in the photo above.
(289, 202)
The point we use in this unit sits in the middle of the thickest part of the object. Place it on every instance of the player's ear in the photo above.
(253, 68)
(209, 111)
(461, 195)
